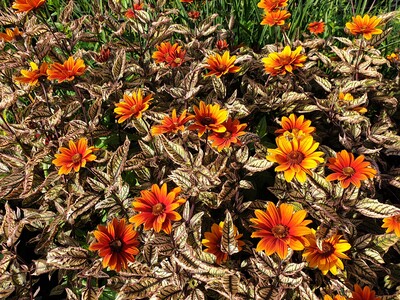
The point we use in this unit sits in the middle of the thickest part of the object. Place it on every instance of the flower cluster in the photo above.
(280, 63)
(221, 65)
(274, 12)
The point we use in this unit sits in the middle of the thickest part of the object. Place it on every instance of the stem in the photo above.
(358, 59)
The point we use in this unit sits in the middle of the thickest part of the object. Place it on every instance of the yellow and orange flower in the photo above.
(130, 12)
(173, 55)
(294, 125)
(392, 224)
(223, 140)
(66, 71)
(316, 27)
(27, 5)
(363, 294)
(364, 25)
(221, 65)
(345, 99)
(132, 106)
(280, 228)
(337, 297)
(157, 208)
(278, 63)
(392, 57)
(9, 35)
(32, 76)
(74, 157)
(209, 117)
(271, 5)
(213, 242)
(171, 124)
(222, 45)
(117, 243)
(349, 170)
(295, 157)
(328, 257)
(276, 17)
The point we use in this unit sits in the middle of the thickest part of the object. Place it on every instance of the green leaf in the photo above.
(119, 65)
(382, 243)
(374, 209)
(323, 82)
(228, 242)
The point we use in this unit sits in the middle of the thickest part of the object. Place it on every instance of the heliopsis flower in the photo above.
(74, 157)
(345, 99)
(9, 35)
(222, 45)
(117, 243)
(130, 12)
(328, 257)
(66, 71)
(365, 26)
(271, 5)
(337, 297)
(316, 27)
(32, 76)
(276, 17)
(392, 224)
(392, 57)
(294, 125)
(223, 140)
(280, 228)
(27, 5)
(132, 106)
(171, 124)
(349, 170)
(209, 117)
(278, 63)
(221, 65)
(194, 14)
(213, 242)
(295, 157)
(363, 294)
(173, 55)
(157, 208)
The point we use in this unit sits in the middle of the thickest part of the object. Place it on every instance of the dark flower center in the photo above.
(207, 120)
(348, 171)
(327, 248)
(116, 246)
(76, 158)
(280, 231)
(295, 157)
(158, 209)
(177, 60)
(227, 134)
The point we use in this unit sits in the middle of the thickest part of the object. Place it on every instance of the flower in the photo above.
(349, 170)
(209, 117)
(27, 5)
(280, 228)
(132, 106)
(103, 56)
(173, 55)
(194, 14)
(295, 157)
(186, 1)
(337, 297)
(278, 63)
(363, 294)
(157, 208)
(392, 224)
(171, 124)
(130, 12)
(66, 71)
(223, 140)
(117, 243)
(271, 5)
(221, 45)
(75, 157)
(328, 257)
(276, 17)
(32, 77)
(9, 35)
(345, 99)
(392, 57)
(316, 27)
(295, 124)
(213, 242)
(221, 65)
(364, 25)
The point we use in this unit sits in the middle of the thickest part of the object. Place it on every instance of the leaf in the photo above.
(71, 258)
(6, 286)
(119, 65)
(175, 151)
(374, 209)
(324, 83)
(180, 236)
(231, 284)
(91, 293)
(228, 242)
(293, 268)
(181, 179)
(290, 282)
(67, 12)
(382, 243)
(219, 87)
(170, 292)
(306, 293)
(257, 165)
(81, 205)
(143, 288)
(117, 160)
(196, 295)
(150, 254)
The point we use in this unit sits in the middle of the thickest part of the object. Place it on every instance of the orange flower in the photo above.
(27, 5)
(295, 157)
(392, 57)
(278, 63)
(186, 1)
(363, 294)
(345, 99)
(171, 124)
(392, 224)
(328, 257)
(271, 5)
(316, 27)
(32, 77)
(364, 25)
(280, 228)
(66, 71)
(75, 157)
(9, 35)
(157, 208)
(276, 17)
(130, 12)
(132, 106)
(337, 297)
(117, 243)
(349, 170)
(194, 14)
(221, 65)
(213, 242)
(173, 55)
(222, 45)
(223, 140)
(295, 125)
(209, 117)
